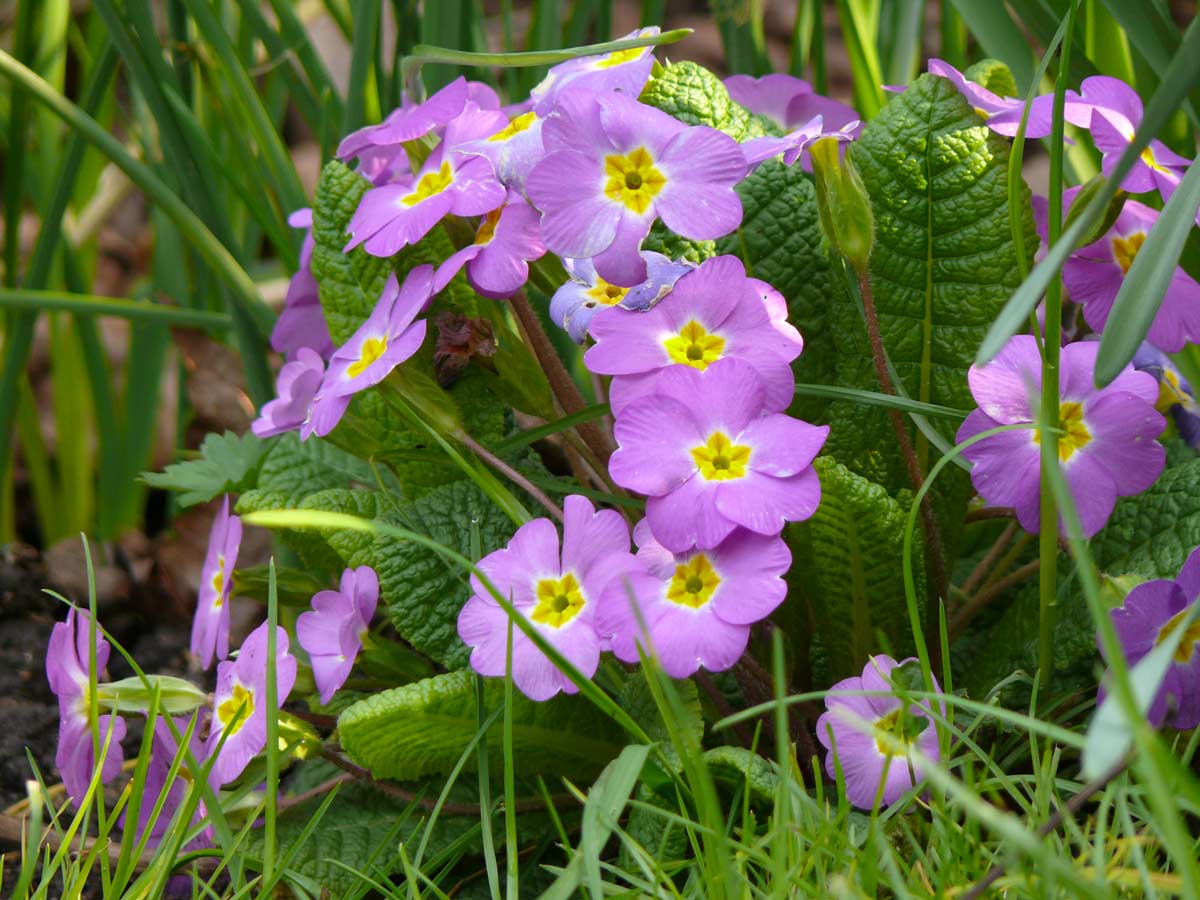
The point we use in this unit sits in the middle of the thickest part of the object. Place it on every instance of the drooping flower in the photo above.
(759, 150)
(163, 750)
(1151, 611)
(210, 627)
(556, 591)
(395, 215)
(576, 303)
(295, 389)
(389, 336)
(1112, 111)
(1175, 395)
(240, 703)
(1106, 448)
(376, 146)
(708, 459)
(332, 632)
(614, 165)
(497, 262)
(714, 312)
(790, 102)
(698, 606)
(1093, 275)
(302, 323)
(1002, 114)
(67, 671)
(624, 71)
(852, 726)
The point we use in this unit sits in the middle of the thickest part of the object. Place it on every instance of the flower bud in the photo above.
(843, 203)
(176, 697)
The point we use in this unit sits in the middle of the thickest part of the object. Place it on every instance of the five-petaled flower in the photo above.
(333, 631)
(302, 321)
(1106, 445)
(239, 712)
(585, 294)
(210, 626)
(709, 460)
(497, 261)
(869, 737)
(1151, 611)
(295, 389)
(696, 607)
(712, 313)
(624, 71)
(556, 590)
(67, 666)
(614, 165)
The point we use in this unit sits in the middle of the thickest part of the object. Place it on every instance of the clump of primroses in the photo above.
(695, 360)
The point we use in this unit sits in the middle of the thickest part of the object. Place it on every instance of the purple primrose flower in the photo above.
(67, 671)
(163, 750)
(614, 165)
(708, 459)
(697, 606)
(210, 627)
(790, 102)
(585, 294)
(497, 262)
(397, 214)
(513, 151)
(302, 322)
(624, 71)
(332, 632)
(1175, 395)
(556, 590)
(851, 727)
(295, 389)
(1002, 114)
(759, 150)
(1107, 448)
(1112, 111)
(1150, 612)
(714, 312)
(240, 703)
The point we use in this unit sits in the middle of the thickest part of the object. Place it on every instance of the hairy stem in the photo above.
(934, 555)
(564, 387)
(511, 474)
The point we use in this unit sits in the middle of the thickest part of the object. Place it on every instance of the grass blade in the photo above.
(1000, 37)
(864, 62)
(118, 307)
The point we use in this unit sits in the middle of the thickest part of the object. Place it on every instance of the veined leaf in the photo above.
(420, 729)
(227, 463)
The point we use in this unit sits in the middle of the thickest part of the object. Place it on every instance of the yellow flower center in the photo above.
(1149, 159)
(487, 228)
(633, 179)
(607, 294)
(1075, 434)
(431, 183)
(559, 601)
(372, 349)
(721, 460)
(241, 700)
(694, 346)
(693, 583)
(218, 583)
(1125, 249)
(982, 113)
(1170, 392)
(620, 57)
(515, 127)
(889, 725)
(1187, 644)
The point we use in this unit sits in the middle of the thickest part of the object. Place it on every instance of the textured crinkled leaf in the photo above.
(738, 766)
(635, 698)
(421, 728)
(694, 95)
(659, 835)
(422, 592)
(299, 468)
(993, 75)
(228, 463)
(780, 241)
(850, 554)
(671, 245)
(942, 266)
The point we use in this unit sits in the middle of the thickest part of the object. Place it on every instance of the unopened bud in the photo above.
(842, 203)
(176, 696)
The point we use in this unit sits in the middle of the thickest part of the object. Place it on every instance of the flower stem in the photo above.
(934, 555)
(511, 474)
(564, 387)
(1048, 412)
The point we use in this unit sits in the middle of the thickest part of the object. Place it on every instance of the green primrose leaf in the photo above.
(942, 266)
(696, 96)
(228, 463)
(850, 555)
(421, 728)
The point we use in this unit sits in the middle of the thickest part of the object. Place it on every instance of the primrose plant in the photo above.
(647, 369)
